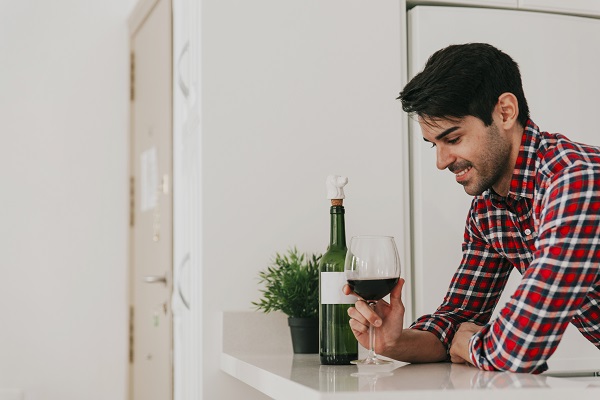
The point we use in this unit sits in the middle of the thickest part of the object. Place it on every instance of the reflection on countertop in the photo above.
(306, 370)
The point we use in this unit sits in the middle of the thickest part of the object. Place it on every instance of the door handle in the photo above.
(156, 279)
(182, 84)
(184, 262)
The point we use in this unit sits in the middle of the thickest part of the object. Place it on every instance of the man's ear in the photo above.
(507, 109)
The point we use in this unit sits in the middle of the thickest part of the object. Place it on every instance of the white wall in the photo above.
(63, 176)
(292, 91)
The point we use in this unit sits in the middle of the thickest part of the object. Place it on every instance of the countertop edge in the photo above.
(271, 384)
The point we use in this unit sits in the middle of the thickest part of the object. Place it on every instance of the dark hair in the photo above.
(462, 80)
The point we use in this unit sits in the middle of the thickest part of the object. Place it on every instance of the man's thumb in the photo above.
(396, 293)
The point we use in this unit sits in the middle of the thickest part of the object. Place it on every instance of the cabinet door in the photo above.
(560, 77)
(584, 7)
(473, 3)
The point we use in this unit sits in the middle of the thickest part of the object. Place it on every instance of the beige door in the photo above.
(151, 245)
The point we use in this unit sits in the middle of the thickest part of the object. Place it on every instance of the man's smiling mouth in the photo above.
(463, 171)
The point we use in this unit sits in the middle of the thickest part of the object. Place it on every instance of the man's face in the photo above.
(478, 156)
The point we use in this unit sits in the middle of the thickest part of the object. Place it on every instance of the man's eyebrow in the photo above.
(444, 134)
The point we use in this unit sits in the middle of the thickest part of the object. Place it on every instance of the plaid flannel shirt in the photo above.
(548, 228)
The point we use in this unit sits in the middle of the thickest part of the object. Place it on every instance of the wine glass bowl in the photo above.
(372, 267)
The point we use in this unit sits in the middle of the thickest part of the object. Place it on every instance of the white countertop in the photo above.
(257, 350)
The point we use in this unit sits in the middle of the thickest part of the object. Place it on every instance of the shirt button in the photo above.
(527, 232)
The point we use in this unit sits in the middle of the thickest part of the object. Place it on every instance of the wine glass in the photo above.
(372, 269)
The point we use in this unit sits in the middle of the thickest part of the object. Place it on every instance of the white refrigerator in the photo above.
(559, 58)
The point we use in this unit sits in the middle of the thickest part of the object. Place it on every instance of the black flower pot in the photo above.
(305, 334)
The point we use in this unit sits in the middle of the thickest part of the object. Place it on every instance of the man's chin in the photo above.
(470, 190)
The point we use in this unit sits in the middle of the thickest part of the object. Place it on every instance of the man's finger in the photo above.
(354, 314)
(357, 327)
(368, 313)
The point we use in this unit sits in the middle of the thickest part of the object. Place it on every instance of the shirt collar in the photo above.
(522, 183)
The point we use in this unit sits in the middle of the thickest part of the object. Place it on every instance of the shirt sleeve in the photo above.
(554, 286)
(475, 287)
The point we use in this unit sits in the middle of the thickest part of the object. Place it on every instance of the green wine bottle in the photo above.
(337, 343)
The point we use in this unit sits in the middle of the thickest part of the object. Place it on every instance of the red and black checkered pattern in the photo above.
(548, 228)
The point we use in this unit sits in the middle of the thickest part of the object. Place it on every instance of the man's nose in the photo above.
(443, 157)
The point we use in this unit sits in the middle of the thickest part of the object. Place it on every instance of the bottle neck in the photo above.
(337, 234)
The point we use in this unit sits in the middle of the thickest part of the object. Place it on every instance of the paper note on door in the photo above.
(148, 179)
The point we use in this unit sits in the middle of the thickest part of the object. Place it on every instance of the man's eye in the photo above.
(453, 141)
(432, 145)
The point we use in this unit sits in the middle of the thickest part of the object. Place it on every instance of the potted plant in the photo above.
(291, 285)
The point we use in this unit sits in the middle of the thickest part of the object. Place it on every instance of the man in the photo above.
(536, 208)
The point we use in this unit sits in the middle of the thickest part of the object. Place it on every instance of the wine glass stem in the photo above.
(371, 356)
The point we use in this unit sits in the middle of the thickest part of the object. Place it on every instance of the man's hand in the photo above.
(459, 349)
(387, 318)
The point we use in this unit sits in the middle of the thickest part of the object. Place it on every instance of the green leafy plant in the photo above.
(291, 285)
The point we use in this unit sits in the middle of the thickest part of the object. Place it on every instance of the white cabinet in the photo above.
(469, 3)
(582, 7)
(573, 7)
(559, 64)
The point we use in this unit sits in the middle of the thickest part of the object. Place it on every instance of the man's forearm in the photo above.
(416, 346)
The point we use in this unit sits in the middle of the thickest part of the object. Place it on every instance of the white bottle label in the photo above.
(331, 289)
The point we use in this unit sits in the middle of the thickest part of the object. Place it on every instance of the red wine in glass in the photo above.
(372, 289)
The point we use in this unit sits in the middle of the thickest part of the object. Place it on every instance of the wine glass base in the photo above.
(371, 361)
